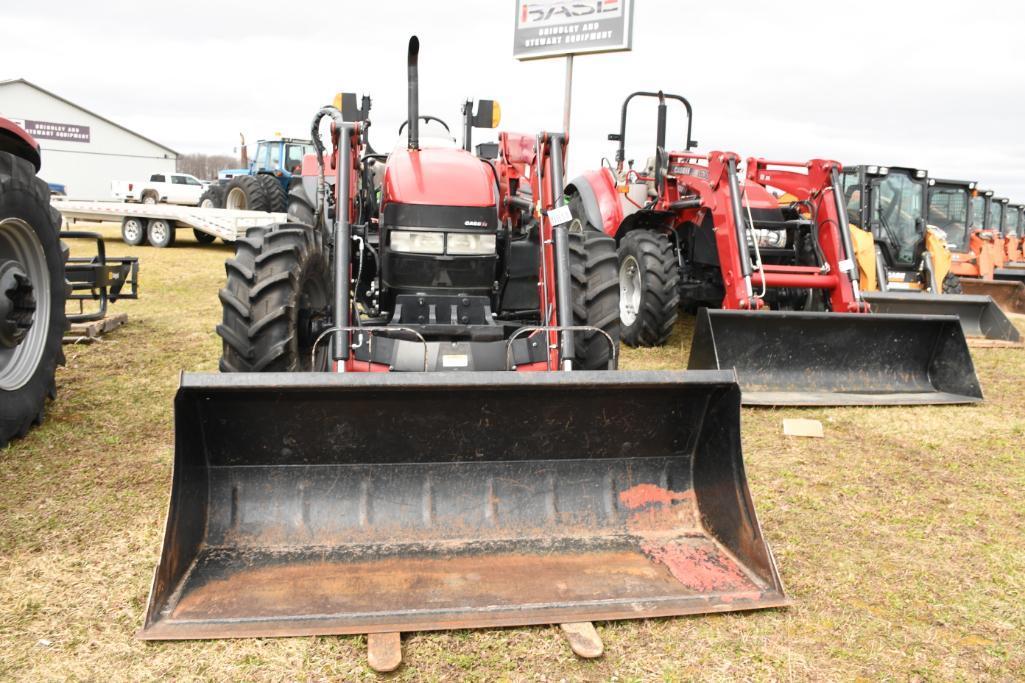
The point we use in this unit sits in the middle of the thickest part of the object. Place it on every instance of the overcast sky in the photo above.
(936, 85)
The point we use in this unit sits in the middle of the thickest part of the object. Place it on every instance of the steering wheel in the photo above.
(427, 119)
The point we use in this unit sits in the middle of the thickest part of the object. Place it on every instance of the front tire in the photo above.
(595, 295)
(32, 295)
(212, 198)
(133, 231)
(278, 289)
(951, 284)
(649, 296)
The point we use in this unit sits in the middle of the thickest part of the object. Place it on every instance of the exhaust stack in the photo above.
(414, 93)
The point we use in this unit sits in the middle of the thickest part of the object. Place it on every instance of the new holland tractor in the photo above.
(414, 427)
(774, 281)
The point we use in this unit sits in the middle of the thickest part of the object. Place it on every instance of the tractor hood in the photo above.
(440, 177)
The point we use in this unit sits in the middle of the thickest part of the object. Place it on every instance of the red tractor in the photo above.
(394, 442)
(691, 232)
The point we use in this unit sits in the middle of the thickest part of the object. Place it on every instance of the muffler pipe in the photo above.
(413, 113)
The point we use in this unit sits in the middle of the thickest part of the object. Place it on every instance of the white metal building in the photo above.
(81, 150)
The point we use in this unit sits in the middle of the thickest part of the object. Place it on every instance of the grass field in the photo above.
(900, 536)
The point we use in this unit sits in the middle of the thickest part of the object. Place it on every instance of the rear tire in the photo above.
(160, 233)
(649, 297)
(951, 284)
(203, 237)
(279, 284)
(595, 292)
(29, 238)
(133, 231)
(246, 193)
(277, 200)
(150, 198)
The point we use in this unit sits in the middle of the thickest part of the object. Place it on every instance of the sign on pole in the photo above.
(555, 28)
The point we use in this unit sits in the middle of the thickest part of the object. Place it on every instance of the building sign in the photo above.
(552, 28)
(46, 130)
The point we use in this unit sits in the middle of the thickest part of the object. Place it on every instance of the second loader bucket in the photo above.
(322, 503)
(831, 359)
(1008, 294)
(980, 316)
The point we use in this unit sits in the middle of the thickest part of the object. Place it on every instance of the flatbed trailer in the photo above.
(158, 222)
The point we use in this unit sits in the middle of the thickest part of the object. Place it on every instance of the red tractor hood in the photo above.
(438, 177)
(19, 143)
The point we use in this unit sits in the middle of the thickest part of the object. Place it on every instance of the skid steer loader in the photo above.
(915, 270)
(395, 442)
(964, 215)
(691, 232)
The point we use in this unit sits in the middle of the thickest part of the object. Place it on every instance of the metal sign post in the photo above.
(557, 28)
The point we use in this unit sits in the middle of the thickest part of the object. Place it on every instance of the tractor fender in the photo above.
(599, 199)
(14, 140)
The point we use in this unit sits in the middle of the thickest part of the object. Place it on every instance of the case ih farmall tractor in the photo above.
(413, 429)
(691, 232)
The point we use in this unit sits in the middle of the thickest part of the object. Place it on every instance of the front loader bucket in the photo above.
(1008, 295)
(980, 316)
(328, 504)
(832, 359)
(1010, 275)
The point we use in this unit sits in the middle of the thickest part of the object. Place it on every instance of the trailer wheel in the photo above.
(203, 237)
(277, 200)
(160, 233)
(594, 269)
(133, 230)
(951, 284)
(32, 294)
(278, 290)
(246, 193)
(648, 288)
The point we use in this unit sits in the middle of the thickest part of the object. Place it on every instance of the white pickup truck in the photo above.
(169, 188)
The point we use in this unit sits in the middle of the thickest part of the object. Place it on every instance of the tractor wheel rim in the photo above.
(629, 290)
(159, 232)
(133, 230)
(236, 199)
(20, 244)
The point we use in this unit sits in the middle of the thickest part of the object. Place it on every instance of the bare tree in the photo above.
(205, 166)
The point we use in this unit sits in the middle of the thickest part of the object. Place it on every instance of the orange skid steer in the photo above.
(416, 428)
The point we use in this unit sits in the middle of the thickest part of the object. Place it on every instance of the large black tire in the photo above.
(649, 277)
(212, 197)
(277, 200)
(951, 284)
(594, 269)
(246, 193)
(29, 237)
(300, 206)
(203, 237)
(278, 282)
(160, 233)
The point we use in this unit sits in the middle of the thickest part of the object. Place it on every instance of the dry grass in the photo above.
(900, 536)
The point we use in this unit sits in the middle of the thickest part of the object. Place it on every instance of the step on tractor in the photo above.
(692, 233)
(262, 184)
(913, 222)
(963, 212)
(413, 428)
(37, 279)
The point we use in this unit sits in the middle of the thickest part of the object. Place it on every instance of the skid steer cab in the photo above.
(394, 442)
(771, 247)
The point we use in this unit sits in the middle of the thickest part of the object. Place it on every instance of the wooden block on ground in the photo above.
(384, 651)
(583, 639)
(801, 427)
(94, 329)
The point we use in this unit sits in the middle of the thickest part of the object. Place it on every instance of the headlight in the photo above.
(467, 244)
(770, 238)
(418, 242)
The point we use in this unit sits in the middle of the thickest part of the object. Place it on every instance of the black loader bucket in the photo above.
(1008, 295)
(1010, 275)
(832, 359)
(980, 316)
(365, 503)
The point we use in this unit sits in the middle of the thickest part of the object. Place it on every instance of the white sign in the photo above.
(554, 28)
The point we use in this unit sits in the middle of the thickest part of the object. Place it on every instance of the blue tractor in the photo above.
(263, 183)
